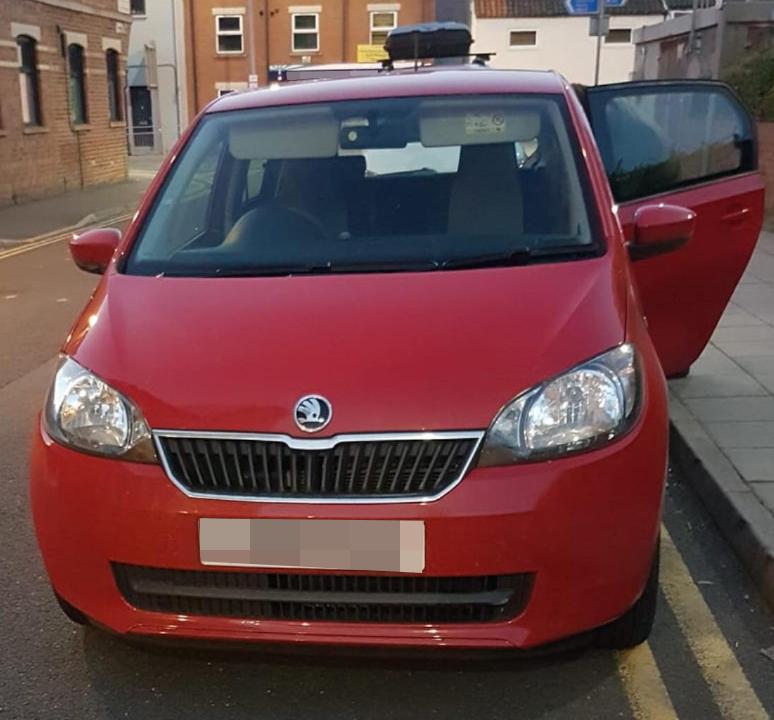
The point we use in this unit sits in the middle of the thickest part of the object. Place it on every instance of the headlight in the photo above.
(85, 413)
(585, 407)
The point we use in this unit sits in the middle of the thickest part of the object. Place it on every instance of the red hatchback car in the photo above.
(381, 361)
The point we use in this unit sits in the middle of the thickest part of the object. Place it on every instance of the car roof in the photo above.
(465, 80)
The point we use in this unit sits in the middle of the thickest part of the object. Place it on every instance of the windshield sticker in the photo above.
(484, 123)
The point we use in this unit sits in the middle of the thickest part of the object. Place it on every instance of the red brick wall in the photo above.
(766, 159)
(344, 24)
(56, 156)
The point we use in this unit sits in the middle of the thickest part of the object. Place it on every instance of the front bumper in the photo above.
(585, 526)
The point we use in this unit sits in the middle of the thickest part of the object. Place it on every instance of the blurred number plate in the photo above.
(378, 545)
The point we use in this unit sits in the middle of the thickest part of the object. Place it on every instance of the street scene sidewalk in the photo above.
(90, 205)
(723, 415)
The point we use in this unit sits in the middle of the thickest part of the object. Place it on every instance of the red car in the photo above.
(382, 361)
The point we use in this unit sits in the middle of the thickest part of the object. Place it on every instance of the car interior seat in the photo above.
(485, 197)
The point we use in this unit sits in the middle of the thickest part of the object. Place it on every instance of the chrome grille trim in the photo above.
(326, 443)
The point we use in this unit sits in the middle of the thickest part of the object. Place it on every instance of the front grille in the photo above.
(333, 598)
(416, 467)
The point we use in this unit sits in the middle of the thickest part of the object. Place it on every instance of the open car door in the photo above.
(692, 144)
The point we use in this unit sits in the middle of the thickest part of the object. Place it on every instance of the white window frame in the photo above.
(230, 33)
(523, 30)
(381, 28)
(304, 31)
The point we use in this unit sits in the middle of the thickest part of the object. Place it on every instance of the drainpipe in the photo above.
(344, 29)
(692, 33)
(717, 61)
(267, 57)
(189, 7)
(174, 66)
(251, 34)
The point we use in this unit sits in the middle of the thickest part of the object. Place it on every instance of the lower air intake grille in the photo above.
(385, 468)
(333, 598)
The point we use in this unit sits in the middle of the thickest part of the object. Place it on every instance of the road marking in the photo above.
(59, 235)
(729, 686)
(644, 686)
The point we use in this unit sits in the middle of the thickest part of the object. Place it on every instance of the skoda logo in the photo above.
(312, 413)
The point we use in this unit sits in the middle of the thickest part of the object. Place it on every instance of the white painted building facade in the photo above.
(156, 76)
(540, 35)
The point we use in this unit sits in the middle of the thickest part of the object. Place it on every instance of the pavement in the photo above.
(78, 208)
(723, 420)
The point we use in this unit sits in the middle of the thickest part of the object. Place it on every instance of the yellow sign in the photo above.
(370, 53)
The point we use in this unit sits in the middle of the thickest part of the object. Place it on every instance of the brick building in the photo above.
(62, 115)
(284, 33)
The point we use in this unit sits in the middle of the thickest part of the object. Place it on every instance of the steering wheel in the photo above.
(276, 220)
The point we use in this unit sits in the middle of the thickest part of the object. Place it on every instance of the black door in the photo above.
(142, 116)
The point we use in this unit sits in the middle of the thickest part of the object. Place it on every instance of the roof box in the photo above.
(428, 40)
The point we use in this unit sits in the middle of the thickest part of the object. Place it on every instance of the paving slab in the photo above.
(742, 433)
(710, 410)
(765, 491)
(723, 420)
(718, 385)
(737, 316)
(755, 465)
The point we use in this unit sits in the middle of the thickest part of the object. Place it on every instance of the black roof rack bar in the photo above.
(479, 58)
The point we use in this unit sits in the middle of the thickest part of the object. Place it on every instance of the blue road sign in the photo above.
(589, 7)
(581, 7)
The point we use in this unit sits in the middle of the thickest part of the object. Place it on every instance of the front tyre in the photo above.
(634, 627)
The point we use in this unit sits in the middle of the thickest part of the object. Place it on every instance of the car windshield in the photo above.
(399, 184)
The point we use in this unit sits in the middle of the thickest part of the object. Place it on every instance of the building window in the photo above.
(29, 85)
(306, 36)
(381, 24)
(228, 29)
(114, 87)
(523, 38)
(619, 35)
(138, 7)
(76, 70)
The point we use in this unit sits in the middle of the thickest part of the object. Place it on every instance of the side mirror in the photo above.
(660, 229)
(93, 250)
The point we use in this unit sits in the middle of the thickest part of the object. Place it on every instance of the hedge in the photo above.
(753, 79)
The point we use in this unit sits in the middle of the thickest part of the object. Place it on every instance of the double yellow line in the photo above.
(640, 676)
(41, 241)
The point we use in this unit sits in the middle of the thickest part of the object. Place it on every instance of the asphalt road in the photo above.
(704, 659)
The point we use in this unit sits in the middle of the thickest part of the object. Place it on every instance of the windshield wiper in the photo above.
(518, 256)
(272, 270)
(311, 269)
(514, 256)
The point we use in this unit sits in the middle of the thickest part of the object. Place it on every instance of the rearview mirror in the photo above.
(660, 229)
(93, 250)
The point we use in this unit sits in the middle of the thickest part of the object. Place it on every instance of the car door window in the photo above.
(654, 139)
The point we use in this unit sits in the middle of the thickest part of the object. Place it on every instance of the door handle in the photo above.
(737, 214)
